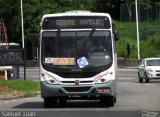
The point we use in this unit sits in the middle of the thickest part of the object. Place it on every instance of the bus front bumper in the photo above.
(106, 89)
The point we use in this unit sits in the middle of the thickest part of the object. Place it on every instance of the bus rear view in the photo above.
(77, 58)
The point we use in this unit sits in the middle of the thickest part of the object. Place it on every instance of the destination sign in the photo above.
(63, 61)
(75, 22)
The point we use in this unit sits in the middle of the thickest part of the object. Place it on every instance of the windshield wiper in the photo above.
(88, 38)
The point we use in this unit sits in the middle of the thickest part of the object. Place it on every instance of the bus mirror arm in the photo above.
(116, 35)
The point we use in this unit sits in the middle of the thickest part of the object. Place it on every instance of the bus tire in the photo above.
(48, 102)
(108, 100)
(115, 99)
(62, 101)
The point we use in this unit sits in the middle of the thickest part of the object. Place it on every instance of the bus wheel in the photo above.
(109, 101)
(62, 101)
(115, 99)
(48, 102)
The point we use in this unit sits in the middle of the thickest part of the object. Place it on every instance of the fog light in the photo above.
(52, 81)
(103, 80)
(103, 90)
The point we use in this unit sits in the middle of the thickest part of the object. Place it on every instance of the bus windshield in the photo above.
(76, 49)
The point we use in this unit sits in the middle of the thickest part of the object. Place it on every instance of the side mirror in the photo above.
(116, 35)
(115, 32)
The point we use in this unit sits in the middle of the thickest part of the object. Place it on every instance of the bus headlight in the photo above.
(103, 79)
(49, 79)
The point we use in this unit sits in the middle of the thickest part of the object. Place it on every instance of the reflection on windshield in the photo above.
(155, 62)
(68, 49)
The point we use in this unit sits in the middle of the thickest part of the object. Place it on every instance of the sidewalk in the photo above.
(11, 95)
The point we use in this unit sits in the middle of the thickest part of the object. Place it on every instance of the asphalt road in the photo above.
(133, 98)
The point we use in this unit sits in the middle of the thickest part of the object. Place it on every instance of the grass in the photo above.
(26, 87)
(149, 38)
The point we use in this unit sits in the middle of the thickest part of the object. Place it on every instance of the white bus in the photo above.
(77, 57)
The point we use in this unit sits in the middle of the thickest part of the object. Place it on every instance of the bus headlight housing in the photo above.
(103, 79)
(49, 79)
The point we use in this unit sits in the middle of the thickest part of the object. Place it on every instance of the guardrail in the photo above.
(132, 63)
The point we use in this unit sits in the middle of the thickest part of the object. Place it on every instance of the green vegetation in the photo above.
(27, 87)
(149, 38)
(33, 10)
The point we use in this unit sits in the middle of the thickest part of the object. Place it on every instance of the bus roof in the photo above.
(77, 13)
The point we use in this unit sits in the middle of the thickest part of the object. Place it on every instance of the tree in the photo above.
(33, 10)
(144, 3)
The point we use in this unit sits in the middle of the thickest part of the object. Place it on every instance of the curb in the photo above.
(15, 96)
(12, 97)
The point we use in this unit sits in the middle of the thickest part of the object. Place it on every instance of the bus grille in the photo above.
(77, 89)
(89, 81)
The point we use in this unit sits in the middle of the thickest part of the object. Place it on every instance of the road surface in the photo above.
(140, 98)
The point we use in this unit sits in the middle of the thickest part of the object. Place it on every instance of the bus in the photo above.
(77, 57)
